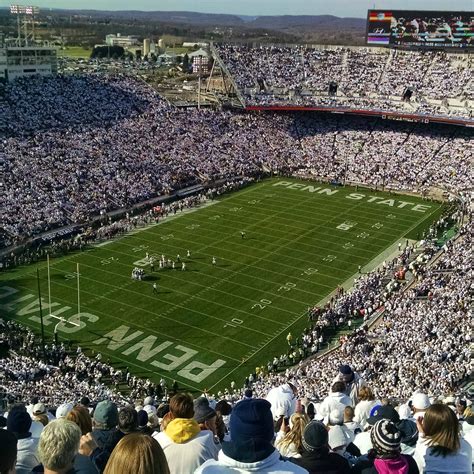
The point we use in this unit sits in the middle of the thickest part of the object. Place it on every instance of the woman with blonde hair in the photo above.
(290, 442)
(440, 448)
(137, 453)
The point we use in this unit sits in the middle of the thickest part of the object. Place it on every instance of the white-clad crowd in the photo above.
(373, 78)
(68, 161)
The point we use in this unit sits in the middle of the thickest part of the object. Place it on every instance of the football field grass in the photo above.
(211, 324)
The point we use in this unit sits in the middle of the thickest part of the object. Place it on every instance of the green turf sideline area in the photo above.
(211, 324)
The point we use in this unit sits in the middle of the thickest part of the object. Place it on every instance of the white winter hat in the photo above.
(420, 401)
(63, 410)
(404, 411)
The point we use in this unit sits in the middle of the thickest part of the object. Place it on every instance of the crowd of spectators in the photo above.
(365, 77)
(66, 162)
(371, 405)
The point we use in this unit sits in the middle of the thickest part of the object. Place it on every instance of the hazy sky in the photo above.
(355, 8)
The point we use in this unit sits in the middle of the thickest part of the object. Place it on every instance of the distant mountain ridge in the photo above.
(273, 22)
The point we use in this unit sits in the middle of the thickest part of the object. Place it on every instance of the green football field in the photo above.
(211, 324)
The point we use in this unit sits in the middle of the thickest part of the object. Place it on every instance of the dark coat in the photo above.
(323, 463)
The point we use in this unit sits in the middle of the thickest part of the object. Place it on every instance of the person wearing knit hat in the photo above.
(385, 457)
(143, 427)
(19, 423)
(419, 404)
(379, 412)
(250, 448)
(206, 417)
(409, 436)
(202, 411)
(105, 433)
(316, 456)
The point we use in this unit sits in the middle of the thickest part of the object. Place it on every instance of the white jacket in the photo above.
(283, 401)
(459, 463)
(27, 458)
(362, 411)
(352, 387)
(189, 453)
(272, 464)
(334, 401)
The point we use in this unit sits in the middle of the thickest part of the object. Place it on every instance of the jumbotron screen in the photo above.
(420, 28)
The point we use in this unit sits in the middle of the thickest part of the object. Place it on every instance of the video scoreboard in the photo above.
(420, 28)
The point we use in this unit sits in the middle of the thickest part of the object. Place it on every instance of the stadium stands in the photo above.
(440, 84)
(106, 143)
(146, 148)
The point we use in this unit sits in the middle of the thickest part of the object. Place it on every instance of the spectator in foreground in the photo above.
(419, 404)
(8, 452)
(58, 450)
(137, 453)
(186, 447)
(19, 423)
(336, 400)
(316, 457)
(283, 400)
(367, 401)
(440, 448)
(127, 421)
(385, 457)
(250, 448)
(290, 443)
(105, 431)
(80, 415)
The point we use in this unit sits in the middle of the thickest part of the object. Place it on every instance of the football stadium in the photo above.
(280, 281)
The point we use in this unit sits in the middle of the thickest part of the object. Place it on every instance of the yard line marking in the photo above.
(154, 298)
(242, 264)
(193, 296)
(304, 313)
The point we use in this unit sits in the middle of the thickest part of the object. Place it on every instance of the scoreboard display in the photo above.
(420, 28)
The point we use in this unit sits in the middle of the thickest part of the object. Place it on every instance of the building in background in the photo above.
(21, 61)
(119, 40)
(193, 45)
(23, 55)
(146, 47)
